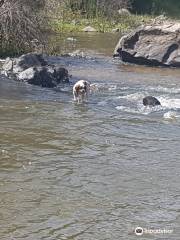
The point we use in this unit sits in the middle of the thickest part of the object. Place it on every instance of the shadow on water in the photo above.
(96, 170)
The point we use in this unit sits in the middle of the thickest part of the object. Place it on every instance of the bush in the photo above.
(93, 8)
(19, 26)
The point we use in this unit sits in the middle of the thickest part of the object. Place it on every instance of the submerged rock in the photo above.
(33, 69)
(170, 115)
(157, 44)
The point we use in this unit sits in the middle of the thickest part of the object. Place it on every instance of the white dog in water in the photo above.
(81, 91)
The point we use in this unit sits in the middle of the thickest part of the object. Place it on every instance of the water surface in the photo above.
(96, 170)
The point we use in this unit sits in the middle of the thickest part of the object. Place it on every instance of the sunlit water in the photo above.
(92, 171)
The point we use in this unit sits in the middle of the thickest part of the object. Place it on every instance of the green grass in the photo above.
(101, 24)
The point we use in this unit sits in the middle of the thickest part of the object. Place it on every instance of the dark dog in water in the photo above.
(151, 101)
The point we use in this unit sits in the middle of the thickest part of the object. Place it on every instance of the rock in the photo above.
(33, 69)
(60, 74)
(151, 101)
(71, 39)
(124, 11)
(77, 53)
(28, 60)
(46, 76)
(155, 45)
(41, 76)
(26, 74)
(114, 30)
(8, 64)
(89, 29)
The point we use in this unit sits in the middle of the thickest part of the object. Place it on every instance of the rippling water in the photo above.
(91, 171)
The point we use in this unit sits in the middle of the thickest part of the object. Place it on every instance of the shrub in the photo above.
(19, 25)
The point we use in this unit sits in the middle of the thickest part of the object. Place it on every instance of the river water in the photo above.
(92, 171)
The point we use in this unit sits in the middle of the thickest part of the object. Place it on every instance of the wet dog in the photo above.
(151, 101)
(81, 91)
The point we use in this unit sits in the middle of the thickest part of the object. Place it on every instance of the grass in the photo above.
(101, 24)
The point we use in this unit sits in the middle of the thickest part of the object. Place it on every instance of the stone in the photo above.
(115, 30)
(33, 69)
(153, 44)
(41, 76)
(8, 64)
(151, 101)
(89, 29)
(44, 76)
(28, 60)
(124, 12)
(26, 74)
(60, 74)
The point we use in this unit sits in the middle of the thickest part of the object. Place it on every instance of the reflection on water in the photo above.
(92, 171)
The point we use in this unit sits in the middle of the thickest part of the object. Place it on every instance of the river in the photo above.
(92, 171)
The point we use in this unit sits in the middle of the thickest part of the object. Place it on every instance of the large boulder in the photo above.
(46, 76)
(33, 69)
(157, 44)
(24, 62)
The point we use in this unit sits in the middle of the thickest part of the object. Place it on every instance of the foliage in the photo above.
(89, 8)
(101, 24)
(22, 22)
(169, 7)
(19, 25)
